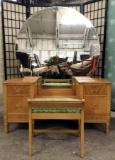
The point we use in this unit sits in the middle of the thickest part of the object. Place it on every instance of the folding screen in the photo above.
(96, 12)
(13, 17)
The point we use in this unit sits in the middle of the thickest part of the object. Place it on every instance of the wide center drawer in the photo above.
(95, 90)
(18, 90)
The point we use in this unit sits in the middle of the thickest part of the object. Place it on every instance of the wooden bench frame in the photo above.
(56, 103)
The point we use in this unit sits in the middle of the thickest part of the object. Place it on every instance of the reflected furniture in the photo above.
(95, 91)
(56, 109)
(66, 37)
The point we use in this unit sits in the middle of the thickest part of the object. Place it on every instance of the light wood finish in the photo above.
(54, 103)
(95, 91)
(56, 92)
(17, 91)
(97, 95)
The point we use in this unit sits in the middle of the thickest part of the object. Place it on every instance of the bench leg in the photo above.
(82, 138)
(30, 137)
(79, 128)
(33, 123)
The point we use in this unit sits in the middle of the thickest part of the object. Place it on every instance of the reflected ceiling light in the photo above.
(69, 21)
(69, 18)
(73, 21)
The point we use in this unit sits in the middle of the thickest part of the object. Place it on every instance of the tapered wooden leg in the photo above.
(30, 133)
(82, 136)
(107, 127)
(6, 127)
(79, 127)
(33, 122)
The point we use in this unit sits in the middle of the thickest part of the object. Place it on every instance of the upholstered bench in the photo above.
(56, 109)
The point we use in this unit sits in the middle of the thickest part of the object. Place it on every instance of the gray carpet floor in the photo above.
(47, 146)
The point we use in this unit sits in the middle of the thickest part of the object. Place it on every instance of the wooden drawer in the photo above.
(95, 104)
(95, 118)
(17, 90)
(95, 90)
(17, 104)
(17, 117)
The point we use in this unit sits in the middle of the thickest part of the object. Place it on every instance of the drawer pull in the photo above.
(95, 106)
(95, 91)
(18, 105)
(18, 90)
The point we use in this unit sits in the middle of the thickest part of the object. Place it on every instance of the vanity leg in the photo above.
(6, 127)
(107, 127)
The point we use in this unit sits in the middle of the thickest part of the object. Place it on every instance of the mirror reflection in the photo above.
(57, 42)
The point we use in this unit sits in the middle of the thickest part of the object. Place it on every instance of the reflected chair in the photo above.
(95, 62)
(84, 57)
(82, 68)
(23, 58)
(23, 61)
(37, 60)
(56, 109)
(86, 67)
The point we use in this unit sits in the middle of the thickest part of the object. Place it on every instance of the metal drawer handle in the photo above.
(18, 105)
(18, 90)
(95, 91)
(95, 105)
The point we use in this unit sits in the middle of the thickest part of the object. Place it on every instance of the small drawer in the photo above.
(15, 117)
(17, 104)
(17, 90)
(95, 90)
(95, 118)
(95, 104)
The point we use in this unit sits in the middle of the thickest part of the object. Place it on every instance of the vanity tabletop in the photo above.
(25, 80)
(85, 79)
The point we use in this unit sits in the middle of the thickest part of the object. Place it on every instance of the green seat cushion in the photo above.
(56, 110)
(56, 84)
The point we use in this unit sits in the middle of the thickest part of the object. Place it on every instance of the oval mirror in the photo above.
(58, 42)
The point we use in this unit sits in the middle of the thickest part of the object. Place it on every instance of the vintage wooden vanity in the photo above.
(62, 49)
(95, 91)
